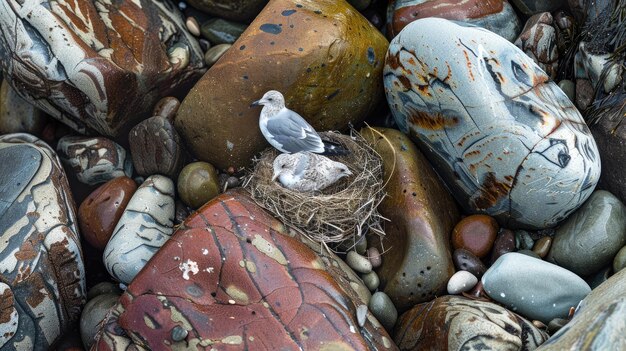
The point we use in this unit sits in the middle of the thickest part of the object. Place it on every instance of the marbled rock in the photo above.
(538, 41)
(589, 239)
(97, 64)
(101, 210)
(42, 277)
(505, 139)
(237, 10)
(233, 278)
(147, 223)
(495, 15)
(322, 55)
(17, 115)
(156, 148)
(534, 288)
(94, 159)
(458, 323)
(417, 262)
(475, 233)
(599, 323)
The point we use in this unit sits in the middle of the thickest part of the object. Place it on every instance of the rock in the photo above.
(97, 65)
(147, 223)
(590, 238)
(505, 139)
(167, 107)
(466, 261)
(236, 10)
(476, 234)
(523, 240)
(542, 246)
(220, 31)
(233, 259)
(611, 138)
(103, 288)
(529, 253)
(534, 288)
(156, 148)
(538, 41)
(17, 115)
(585, 93)
(421, 213)
(463, 324)
(619, 262)
(591, 65)
(505, 242)
(215, 53)
(93, 314)
(383, 309)
(599, 322)
(375, 257)
(533, 7)
(94, 159)
(461, 281)
(371, 281)
(360, 4)
(359, 263)
(556, 324)
(496, 15)
(193, 26)
(569, 88)
(600, 277)
(101, 210)
(42, 286)
(197, 184)
(328, 71)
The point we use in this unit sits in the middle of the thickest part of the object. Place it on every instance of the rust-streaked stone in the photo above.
(417, 262)
(322, 55)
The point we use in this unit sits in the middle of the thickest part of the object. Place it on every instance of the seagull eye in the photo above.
(270, 99)
(283, 166)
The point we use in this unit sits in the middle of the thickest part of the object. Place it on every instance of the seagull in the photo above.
(287, 131)
(306, 171)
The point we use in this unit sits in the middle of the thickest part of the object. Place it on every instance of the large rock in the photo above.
(417, 261)
(236, 10)
(599, 324)
(611, 138)
(505, 139)
(42, 278)
(232, 278)
(458, 323)
(97, 64)
(322, 55)
(17, 115)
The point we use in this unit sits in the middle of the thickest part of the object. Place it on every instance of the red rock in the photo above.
(102, 209)
(475, 233)
(504, 243)
(233, 279)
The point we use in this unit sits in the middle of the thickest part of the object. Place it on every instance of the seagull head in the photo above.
(282, 163)
(272, 98)
(339, 171)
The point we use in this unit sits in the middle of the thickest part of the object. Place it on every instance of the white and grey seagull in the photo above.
(287, 131)
(306, 171)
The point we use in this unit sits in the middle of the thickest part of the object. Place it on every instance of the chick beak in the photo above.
(275, 176)
(256, 103)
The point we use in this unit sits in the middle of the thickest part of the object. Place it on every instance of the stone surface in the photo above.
(93, 314)
(105, 287)
(569, 88)
(505, 139)
(533, 7)
(237, 10)
(505, 242)
(215, 53)
(611, 138)
(589, 239)
(98, 65)
(99, 213)
(42, 280)
(94, 159)
(619, 262)
(599, 323)
(458, 323)
(495, 15)
(220, 31)
(538, 41)
(466, 261)
(233, 259)
(534, 288)
(383, 309)
(167, 107)
(17, 115)
(461, 281)
(475, 233)
(147, 223)
(197, 184)
(599, 277)
(359, 263)
(322, 55)
(417, 262)
(156, 148)
(523, 240)
(542, 246)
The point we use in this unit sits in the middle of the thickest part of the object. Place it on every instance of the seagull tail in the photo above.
(334, 149)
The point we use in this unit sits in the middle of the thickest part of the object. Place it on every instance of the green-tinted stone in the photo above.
(383, 309)
(197, 184)
(619, 262)
(219, 31)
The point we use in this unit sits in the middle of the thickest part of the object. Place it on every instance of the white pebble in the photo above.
(460, 282)
(193, 26)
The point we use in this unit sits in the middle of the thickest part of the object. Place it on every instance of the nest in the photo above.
(345, 210)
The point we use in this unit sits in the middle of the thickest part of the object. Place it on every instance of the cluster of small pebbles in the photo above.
(126, 135)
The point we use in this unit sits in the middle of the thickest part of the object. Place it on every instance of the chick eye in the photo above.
(283, 166)
(270, 99)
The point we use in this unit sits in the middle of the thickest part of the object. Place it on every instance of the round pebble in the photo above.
(94, 312)
(179, 333)
(103, 288)
(467, 261)
(156, 147)
(505, 243)
(371, 280)
(361, 246)
(214, 54)
(619, 262)
(167, 107)
(383, 309)
(461, 281)
(193, 26)
(361, 315)
(475, 233)
(523, 240)
(542, 246)
(197, 184)
(375, 257)
(358, 262)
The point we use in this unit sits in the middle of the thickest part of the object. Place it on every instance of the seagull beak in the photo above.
(275, 176)
(256, 103)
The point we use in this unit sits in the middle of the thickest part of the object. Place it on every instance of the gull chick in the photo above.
(287, 131)
(305, 171)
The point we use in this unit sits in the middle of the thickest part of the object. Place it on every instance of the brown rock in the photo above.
(466, 261)
(156, 147)
(416, 261)
(538, 40)
(475, 233)
(505, 242)
(102, 209)
(234, 277)
(328, 66)
(167, 107)
(542, 246)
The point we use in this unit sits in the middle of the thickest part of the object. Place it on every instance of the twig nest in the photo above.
(345, 210)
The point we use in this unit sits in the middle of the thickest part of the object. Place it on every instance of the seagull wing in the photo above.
(294, 133)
